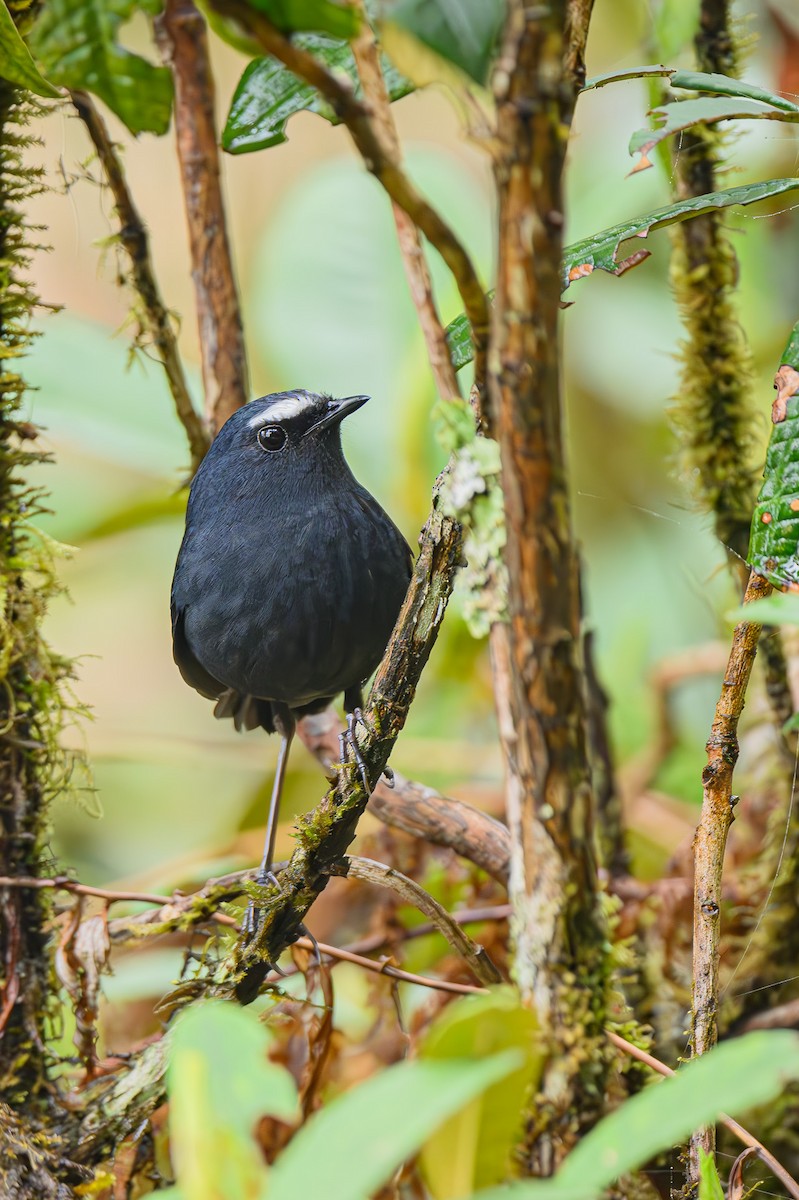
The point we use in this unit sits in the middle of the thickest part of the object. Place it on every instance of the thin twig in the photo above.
(711, 840)
(63, 883)
(133, 236)
(367, 60)
(382, 160)
(182, 39)
(369, 871)
(737, 1130)
(387, 968)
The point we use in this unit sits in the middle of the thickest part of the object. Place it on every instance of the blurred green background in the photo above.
(326, 307)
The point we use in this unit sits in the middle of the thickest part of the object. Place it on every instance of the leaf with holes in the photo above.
(774, 542)
(683, 114)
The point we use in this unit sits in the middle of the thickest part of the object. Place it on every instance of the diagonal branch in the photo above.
(382, 159)
(134, 237)
(711, 840)
(182, 39)
(325, 833)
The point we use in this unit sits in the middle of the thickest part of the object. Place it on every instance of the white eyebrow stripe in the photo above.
(281, 410)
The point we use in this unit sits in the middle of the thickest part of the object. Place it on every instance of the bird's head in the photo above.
(287, 433)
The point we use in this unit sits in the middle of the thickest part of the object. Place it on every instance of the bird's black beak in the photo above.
(337, 410)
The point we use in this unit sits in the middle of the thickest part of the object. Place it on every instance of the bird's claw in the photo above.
(252, 916)
(348, 745)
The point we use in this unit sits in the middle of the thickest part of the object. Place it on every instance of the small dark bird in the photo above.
(290, 575)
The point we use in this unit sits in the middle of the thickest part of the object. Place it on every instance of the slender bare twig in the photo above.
(367, 60)
(711, 840)
(154, 314)
(381, 159)
(386, 967)
(417, 809)
(369, 871)
(182, 39)
(737, 1130)
(63, 883)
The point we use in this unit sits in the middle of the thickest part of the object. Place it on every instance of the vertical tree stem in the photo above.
(183, 41)
(711, 840)
(558, 928)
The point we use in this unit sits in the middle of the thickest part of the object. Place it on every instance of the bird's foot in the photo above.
(348, 745)
(252, 916)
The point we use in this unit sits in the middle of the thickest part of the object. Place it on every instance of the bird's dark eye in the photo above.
(271, 437)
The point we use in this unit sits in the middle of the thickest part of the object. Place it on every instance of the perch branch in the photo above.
(711, 840)
(416, 809)
(183, 42)
(369, 871)
(325, 833)
(134, 238)
(382, 160)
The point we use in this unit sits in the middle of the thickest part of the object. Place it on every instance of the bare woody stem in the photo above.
(711, 840)
(183, 41)
(367, 60)
(558, 927)
(382, 159)
(134, 238)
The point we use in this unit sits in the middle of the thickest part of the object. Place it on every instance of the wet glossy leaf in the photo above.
(76, 41)
(472, 1149)
(16, 61)
(348, 1149)
(268, 94)
(462, 32)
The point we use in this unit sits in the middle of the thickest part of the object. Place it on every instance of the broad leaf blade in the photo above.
(472, 1149)
(348, 1149)
(16, 61)
(268, 94)
(462, 32)
(76, 41)
(220, 1083)
(774, 539)
(318, 16)
(780, 608)
(709, 1183)
(724, 85)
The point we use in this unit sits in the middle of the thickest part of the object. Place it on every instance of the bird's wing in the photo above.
(192, 671)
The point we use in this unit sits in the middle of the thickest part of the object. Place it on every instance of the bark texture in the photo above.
(558, 927)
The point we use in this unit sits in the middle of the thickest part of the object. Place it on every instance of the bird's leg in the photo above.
(285, 726)
(348, 744)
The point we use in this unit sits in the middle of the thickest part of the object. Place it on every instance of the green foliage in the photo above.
(220, 1083)
(775, 521)
(790, 354)
(268, 94)
(734, 1076)
(674, 24)
(16, 62)
(599, 251)
(302, 16)
(472, 1150)
(683, 114)
(709, 1183)
(462, 32)
(781, 608)
(472, 494)
(76, 41)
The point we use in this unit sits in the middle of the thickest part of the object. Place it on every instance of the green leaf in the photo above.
(774, 539)
(302, 16)
(683, 114)
(654, 71)
(781, 608)
(268, 94)
(472, 1149)
(790, 354)
(348, 1149)
(737, 1075)
(674, 25)
(462, 32)
(599, 251)
(16, 61)
(724, 85)
(709, 1183)
(220, 1084)
(76, 42)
